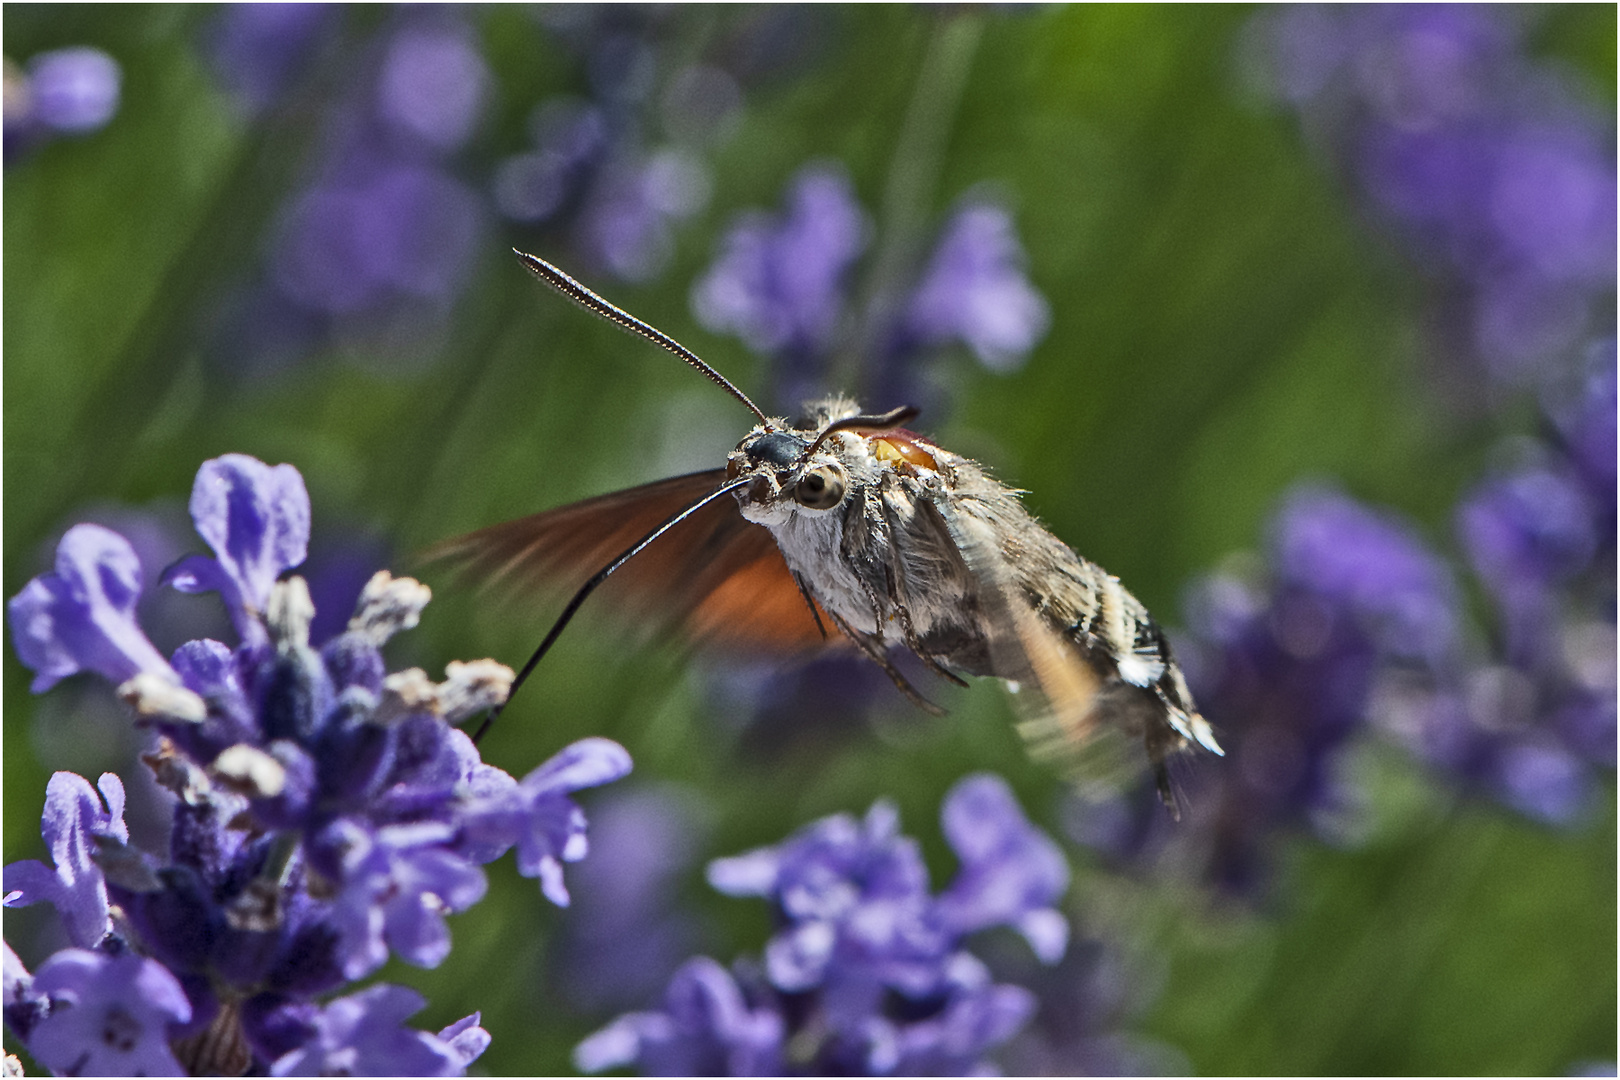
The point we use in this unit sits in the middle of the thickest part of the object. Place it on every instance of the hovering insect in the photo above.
(852, 520)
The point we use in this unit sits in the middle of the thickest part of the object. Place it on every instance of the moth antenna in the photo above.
(590, 586)
(891, 419)
(621, 318)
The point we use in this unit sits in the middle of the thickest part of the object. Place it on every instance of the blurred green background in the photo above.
(1223, 325)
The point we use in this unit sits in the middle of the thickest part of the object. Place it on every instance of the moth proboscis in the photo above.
(849, 530)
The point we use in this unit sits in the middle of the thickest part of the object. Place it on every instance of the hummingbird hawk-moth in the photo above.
(849, 529)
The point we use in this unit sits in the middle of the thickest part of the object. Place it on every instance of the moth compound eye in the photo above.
(820, 489)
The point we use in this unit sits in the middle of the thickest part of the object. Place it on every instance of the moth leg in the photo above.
(910, 631)
(874, 651)
(810, 603)
(907, 627)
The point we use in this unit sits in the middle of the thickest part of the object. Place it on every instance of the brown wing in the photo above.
(716, 578)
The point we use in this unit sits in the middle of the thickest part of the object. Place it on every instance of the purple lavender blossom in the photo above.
(110, 1015)
(74, 817)
(256, 518)
(707, 1028)
(629, 935)
(397, 887)
(73, 91)
(778, 282)
(536, 815)
(364, 1035)
(256, 50)
(1286, 668)
(1498, 177)
(1012, 873)
(82, 616)
(433, 83)
(866, 973)
(1528, 532)
(325, 813)
(627, 225)
(374, 253)
(571, 138)
(975, 291)
(1374, 567)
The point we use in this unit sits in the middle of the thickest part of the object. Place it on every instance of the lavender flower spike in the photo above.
(975, 290)
(82, 616)
(866, 974)
(256, 518)
(73, 818)
(777, 283)
(325, 815)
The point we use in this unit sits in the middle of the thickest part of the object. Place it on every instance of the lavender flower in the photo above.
(364, 1035)
(975, 291)
(778, 282)
(596, 169)
(82, 616)
(1286, 666)
(72, 91)
(376, 249)
(256, 50)
(110, 1015)
(74, 818)
(866, 973)
(1501, 180)
(325, 813)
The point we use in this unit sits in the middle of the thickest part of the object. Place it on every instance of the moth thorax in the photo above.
(897, 449)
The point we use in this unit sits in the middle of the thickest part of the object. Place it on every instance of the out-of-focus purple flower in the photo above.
(406, 230)
(1286, 665)
(433, 83)
(74, 816)
(1527, 532)
(855, 897)
(1587, 430)
(975, 291)
(73, 91)
(628, 935)
(1543, 781)
(778, 282)
(1498, 177)
(255, 50)
(626, 227)
(110, 1015)
(706, 1028)
(571, 138)
(1385, 576)
(82, 616)
(1012, 873)
(364, 1034)
(866, 973)
(375, 251)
